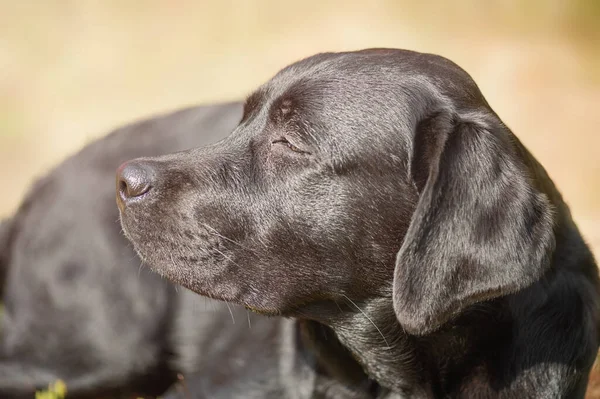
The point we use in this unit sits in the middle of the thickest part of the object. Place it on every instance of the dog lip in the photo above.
(120, 203)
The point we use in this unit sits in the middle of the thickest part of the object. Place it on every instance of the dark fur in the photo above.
(78, 306)
(375, 198)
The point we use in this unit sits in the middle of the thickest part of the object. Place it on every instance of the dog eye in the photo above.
(289, 145)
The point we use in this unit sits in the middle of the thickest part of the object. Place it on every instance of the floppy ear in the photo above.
(480, 229)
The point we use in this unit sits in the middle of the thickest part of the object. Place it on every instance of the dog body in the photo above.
(77, 304)
(375, 197)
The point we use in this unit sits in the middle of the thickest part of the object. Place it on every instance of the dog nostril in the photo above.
(122, 186)
(133, 180)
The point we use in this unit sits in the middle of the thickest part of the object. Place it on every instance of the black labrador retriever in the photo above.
(376, 200)
(77, 306)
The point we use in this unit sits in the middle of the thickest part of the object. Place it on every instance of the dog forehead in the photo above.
(375, 74)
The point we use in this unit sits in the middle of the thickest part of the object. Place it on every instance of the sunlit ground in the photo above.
(72, 70)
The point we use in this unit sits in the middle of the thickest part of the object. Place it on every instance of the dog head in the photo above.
(378, 173)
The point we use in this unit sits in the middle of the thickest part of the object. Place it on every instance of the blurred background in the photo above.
(70, 71)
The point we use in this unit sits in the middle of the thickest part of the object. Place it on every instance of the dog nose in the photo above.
(134, 179)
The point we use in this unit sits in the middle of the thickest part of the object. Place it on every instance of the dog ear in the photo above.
(480, 229)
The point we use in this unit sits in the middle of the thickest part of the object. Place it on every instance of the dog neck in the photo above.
(369, 336)
(333, 361)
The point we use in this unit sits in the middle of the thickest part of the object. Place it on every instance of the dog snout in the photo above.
(134, 179)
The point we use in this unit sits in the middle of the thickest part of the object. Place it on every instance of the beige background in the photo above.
(72, 70)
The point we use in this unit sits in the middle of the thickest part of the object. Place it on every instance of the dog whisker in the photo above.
(140, 269)
(368, 318)
(225, 238)
(230, 312)
(228, 258)
(338, 306)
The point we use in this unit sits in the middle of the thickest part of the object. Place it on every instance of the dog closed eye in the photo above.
(285, 142)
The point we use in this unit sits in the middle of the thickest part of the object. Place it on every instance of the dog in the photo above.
(77, 306)
(377, 204)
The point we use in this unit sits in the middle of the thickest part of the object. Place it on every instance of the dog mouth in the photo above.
(193, 258)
